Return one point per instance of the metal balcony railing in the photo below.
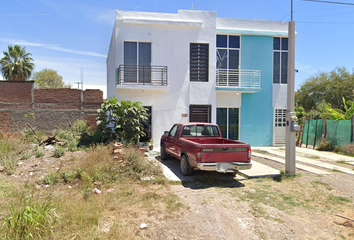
(142, 75)
(238, 78)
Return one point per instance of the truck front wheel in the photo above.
(186, 169)
(163, 153)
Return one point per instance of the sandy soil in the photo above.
(217, 206)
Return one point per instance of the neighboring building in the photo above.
(194, 66)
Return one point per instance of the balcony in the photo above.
(241, 80)
(141, 76)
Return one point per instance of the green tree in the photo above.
(329, 87)
(339, 114)
(124, 118)
(16, 65)
(48, 78)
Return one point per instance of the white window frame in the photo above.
(227, 54)
(137, 50)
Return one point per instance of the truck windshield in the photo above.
(200, 130)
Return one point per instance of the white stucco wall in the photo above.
(251, 26)
(170, 36)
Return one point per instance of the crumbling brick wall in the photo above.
(45, 109)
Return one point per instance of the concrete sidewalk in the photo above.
(308, 156)
(171, 169)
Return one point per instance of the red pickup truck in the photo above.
(199, 146)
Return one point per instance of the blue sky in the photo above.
(70, 35)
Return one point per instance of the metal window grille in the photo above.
(199, 62)
(280, 118)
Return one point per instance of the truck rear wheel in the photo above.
(186, 169)
(163, 153)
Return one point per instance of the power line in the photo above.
(348, 23)
(321, 1)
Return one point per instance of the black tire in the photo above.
(186, 169)
(163, 153)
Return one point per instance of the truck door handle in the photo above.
(225, 148)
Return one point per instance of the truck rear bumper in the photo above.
(224, 166)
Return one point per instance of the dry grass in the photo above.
(124, 203)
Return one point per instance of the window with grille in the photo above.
(199, 62)
(280, 118)
(200, 113)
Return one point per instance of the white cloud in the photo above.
(50, 46)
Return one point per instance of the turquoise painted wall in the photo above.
(256, 108)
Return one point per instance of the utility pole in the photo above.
(290, 114)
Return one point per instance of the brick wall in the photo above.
(50, 108)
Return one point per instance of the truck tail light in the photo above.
(199, 154)
(249, 155)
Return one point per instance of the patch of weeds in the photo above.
(25, 155)
(68, 177)
(73, 145)
(33, 219)
(9, 162)
(260, 151)
(348, 149)
(51, 179)
(336, 170)
(326, 185)
(312, 157)
(72, 158)
(267, 186)
(325, 145)
(38, 151)
(172, 203)
(331, 199)
(337, 149)
(342, 162)
(59, 151)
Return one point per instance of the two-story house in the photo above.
(194, 66)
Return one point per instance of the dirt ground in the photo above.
(217, 206)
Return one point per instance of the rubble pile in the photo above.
(118, 153)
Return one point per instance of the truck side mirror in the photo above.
(165, 133)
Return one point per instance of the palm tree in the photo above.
(16, 65)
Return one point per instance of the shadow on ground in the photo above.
(200, 179)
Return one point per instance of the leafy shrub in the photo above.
(96, 137)
(80, 126)
(31, 220)
(124, 118)
(325, 145)
(337, 149)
